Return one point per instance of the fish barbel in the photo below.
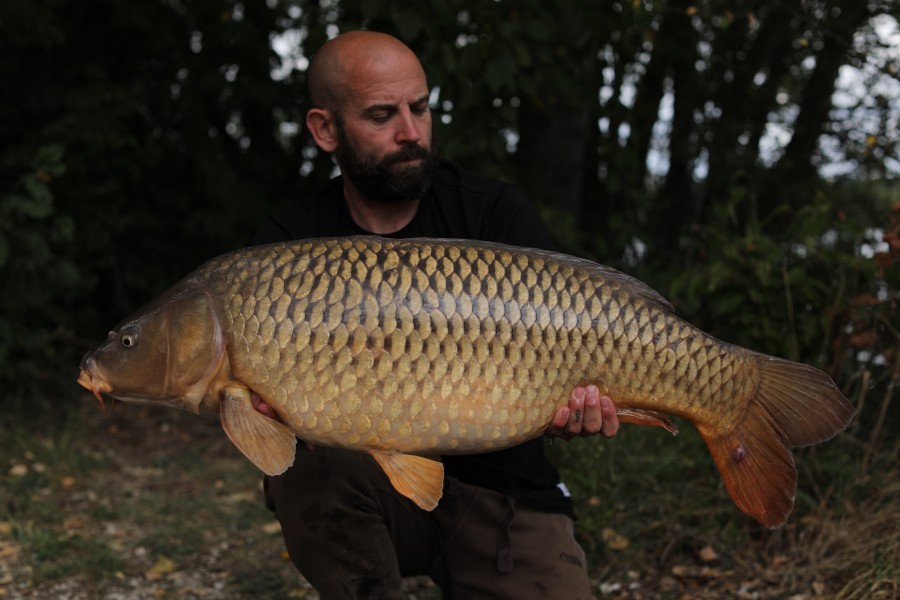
(413, 348)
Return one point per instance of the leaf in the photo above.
(38, 205)
(709, 554)
(163, 567)
(614, 540)
(272, 527)
(18, 470)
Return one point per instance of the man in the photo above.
(503, 528)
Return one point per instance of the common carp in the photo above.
(408, 349)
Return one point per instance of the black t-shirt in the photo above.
(465, 206)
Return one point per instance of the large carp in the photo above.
(412, 348)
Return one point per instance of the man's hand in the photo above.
(588, 413)
(264, 408)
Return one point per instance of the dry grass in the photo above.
(151, 503)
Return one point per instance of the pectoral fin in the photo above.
(650, 418)
(419, 479)
(268, 444)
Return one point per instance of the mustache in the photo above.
(409, 152)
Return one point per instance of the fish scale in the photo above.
(415, 347)
(439, 307)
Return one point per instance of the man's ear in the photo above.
(322, 126)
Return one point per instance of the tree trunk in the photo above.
(795, 172)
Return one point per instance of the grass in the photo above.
(654, 515)
(150, 503)
(144, 503)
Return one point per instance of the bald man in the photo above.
(504, 527)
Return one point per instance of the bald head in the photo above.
(350, 60)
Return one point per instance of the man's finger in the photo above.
(576, 412)
(559, 421)
(610, 419)
(593, 414)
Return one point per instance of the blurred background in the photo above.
(743, 158)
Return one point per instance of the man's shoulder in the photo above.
(488, 209)
(450, 176)
(299, 219)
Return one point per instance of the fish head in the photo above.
(167, 353)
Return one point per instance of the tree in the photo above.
(141, 139)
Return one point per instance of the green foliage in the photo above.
(41, 277)
(140, 141)
(126, 163)
(816, 291)
(56, 555)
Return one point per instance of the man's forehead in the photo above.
(386, 91)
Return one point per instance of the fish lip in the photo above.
(98, 386)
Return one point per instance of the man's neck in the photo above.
(378, 217)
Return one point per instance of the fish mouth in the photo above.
(97, 386)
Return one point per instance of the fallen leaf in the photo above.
(272, 527)
(18, 470)
(73, 523)
(709, 554)
(67, 482)
(698, 572)
(614, 540)
(5, 528)
(9, 549)
(607, 588)
(668, 584)
(163, 566)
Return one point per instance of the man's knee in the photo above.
(326, 475)
(322, 498)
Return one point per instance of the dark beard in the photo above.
(382, 180)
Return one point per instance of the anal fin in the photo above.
(418, 478)
(650, 418)
(269, 444)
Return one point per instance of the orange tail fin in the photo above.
(794, 405)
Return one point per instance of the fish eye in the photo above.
(128, 339)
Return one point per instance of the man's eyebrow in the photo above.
(423, 100)
(377, 108)
(392, 108)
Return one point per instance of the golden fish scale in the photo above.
(455, 348)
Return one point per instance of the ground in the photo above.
(151, 503)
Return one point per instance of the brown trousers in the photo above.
(352, 536)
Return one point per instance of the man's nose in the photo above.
(407, 129)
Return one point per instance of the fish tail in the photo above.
(794, 405)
